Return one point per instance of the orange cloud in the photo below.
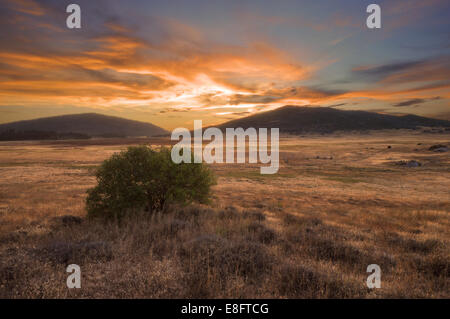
(129, 70)
(27, 6)
(179, 69)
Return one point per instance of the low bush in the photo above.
(144, 179)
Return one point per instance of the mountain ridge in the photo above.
(93, 124)
(290, 119)
(304, 119)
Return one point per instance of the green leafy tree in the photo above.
(145, 179)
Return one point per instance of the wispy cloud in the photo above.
(415, 101)
(166, 65)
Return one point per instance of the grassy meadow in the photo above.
(337, 204)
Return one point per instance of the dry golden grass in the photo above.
(337, 205)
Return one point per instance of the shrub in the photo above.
(145, 179)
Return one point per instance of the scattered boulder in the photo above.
(411, 163)
(439, 148)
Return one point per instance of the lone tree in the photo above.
(144, 179)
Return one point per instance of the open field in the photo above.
(338, 204)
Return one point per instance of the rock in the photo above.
(438, 148)
(389, 146)
(441, 150)
(411, 163)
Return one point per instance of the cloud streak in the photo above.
(415, 101)
(165, 65)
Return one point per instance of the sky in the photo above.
(172, 62)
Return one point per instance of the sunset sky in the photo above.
(170, 62)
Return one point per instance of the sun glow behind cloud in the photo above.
(170, 72)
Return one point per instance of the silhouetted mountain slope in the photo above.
(92, 124)
(296, 119)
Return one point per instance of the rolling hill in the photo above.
(297, 120)
(91, 124)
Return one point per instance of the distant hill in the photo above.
(297, 120)
(91, 124)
